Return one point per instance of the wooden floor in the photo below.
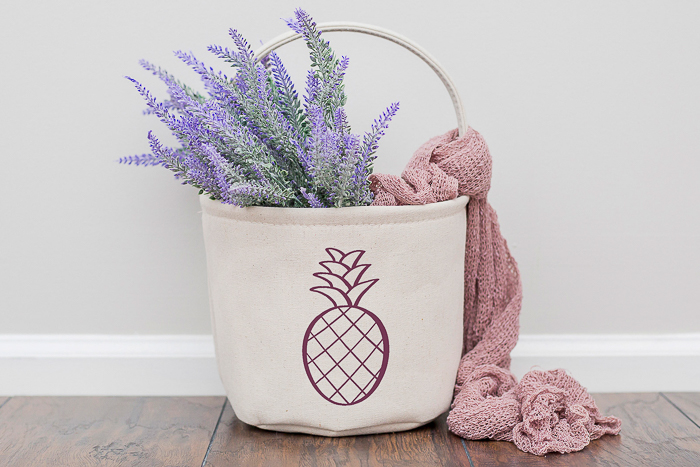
(658, 430)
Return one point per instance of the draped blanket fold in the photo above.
(547, 411)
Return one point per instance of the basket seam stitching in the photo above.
(333, 225)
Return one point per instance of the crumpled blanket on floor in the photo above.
(547, 411)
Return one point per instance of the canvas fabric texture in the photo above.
(547, 411)
(261, 271)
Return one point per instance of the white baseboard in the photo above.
(185, 364)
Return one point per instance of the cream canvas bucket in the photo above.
(338, 321)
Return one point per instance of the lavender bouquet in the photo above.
(250, 142)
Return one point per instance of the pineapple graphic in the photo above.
(345, 348)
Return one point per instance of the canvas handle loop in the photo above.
(396, 38)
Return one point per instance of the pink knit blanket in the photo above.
(547, 411)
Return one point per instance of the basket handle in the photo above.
(392, 36)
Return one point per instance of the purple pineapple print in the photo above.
(346, 348)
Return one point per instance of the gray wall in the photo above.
(591, 110)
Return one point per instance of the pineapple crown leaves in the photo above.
(344, 278)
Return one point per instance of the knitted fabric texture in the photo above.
(547, 411)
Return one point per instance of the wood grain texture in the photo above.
(686, 402)
(658, 430)
(107, 431)
(236, 443)
(654, 433)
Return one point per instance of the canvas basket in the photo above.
(338, 321)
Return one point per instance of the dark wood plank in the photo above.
(107, 431)
(686, 402)
(654, 433)
(236, 443)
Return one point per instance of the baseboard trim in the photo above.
(185, 364)
(607, 345)
(106, 346)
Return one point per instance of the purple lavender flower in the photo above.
(219, 166)
(314, 202)
(372, 137)
(287, 95)
(141, 159)
(251, 142)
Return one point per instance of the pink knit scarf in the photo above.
(548, 411)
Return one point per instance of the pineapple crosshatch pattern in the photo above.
(346, 347)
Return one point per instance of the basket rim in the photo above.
(353, 215)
